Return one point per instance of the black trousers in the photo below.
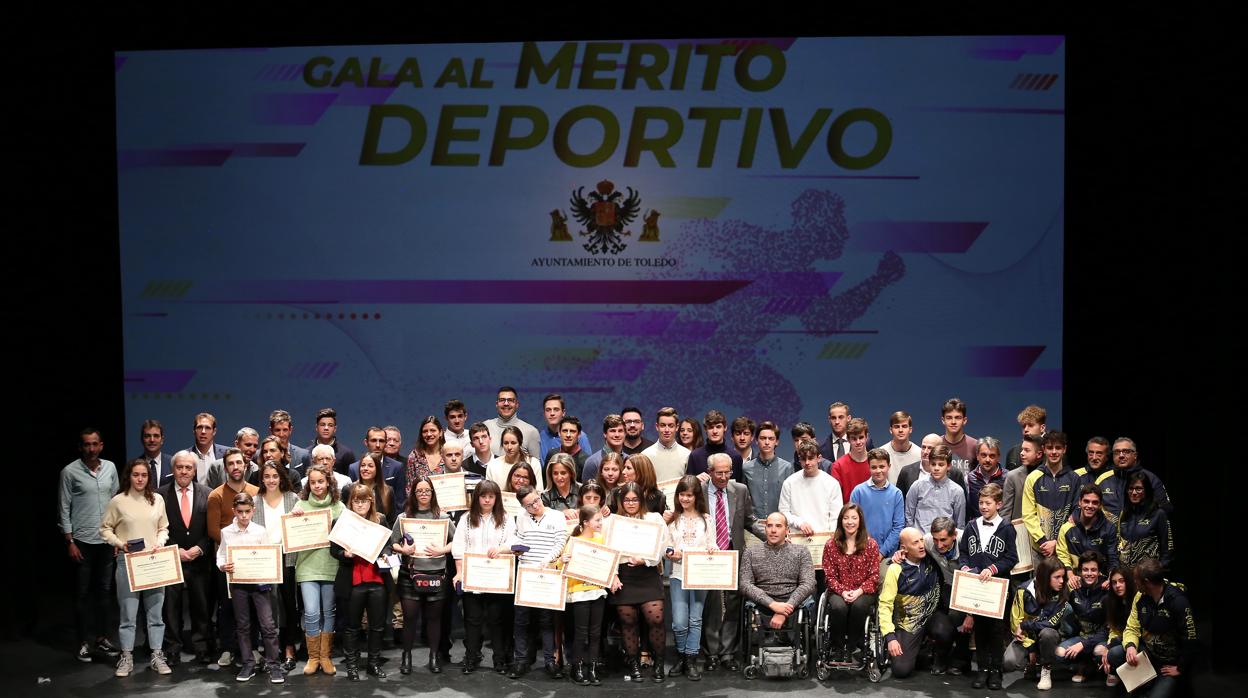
(587, 634)
(95, 611)
(195, 595)
(247, 597)
(721, 624)
(480, 609)
(373, 598)
(941, 630)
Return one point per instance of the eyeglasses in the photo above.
(424, 493)
(506, 401)
(533, 504)
(631, 500)
(1120, 451)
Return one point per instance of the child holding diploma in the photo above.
(422, 580)
(638, 588)
(988, 548)
(135, 520)
(691, 530)
(586, 603)
(366, 586)
(275, 500)
(315, 571)
(246, 597)
(486, 530)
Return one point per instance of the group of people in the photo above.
(902, 518)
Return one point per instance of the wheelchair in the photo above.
(874, 657)
(782, 653)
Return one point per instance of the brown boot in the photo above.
(327, 648)
(314, 654)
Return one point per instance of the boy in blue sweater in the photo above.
(882, 503)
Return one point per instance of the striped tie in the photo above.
(722, 539)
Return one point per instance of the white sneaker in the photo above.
(1111, 680)
(159, 664)
(1046, 681)
(84, 652)
(225, 659)
(125, 664)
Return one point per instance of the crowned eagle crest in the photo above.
(604, 215)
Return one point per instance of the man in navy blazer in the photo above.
(152, 433)
(188, 529)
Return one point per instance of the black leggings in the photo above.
(653, 611)
(373, 598)
(587, 636)
(422, 609)
(849, 619)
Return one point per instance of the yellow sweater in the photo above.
(576, 585)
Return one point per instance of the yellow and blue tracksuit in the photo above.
(1048, 500)
(1029, 616)
(1101, 536)
(909, 596)
(1144, 534)
(1164, 628)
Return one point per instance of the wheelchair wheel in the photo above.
(823, 673)
(751, 672)
(803, 672)
(873, 671)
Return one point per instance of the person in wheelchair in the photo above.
(778, 576)
(907, 608)
(851, 566)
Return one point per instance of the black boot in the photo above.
(981, 679)
(591, 673)
(994, 678)
(634, 669)
(435, 662)
(657, 670)
(351, 649)
(691, 668)
(578, 673)
(471, 662)
(679, 667)
(374, 667)
(405, 663)
(374, 653)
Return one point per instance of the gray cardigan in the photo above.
(288, 502)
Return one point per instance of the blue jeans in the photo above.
(153, 601)
(318, 603)
(687, 618)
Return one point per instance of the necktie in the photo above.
(186, 508)
(722, 539)
(840, 448)
(151, 470)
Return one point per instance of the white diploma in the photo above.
(1023, 538)
(307, 531)
(1135, 676)
(814, 545)
(426, 532)
(635, 537)
(590, 562)
(709, 570)
(668, 488)
(255, 564)
(152, 569)
(360, 537)
(451, 490)
(511, 505)
(489, 575)
(970, 595)
(541, 588)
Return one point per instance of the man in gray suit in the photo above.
(186, 506)
(732, 514)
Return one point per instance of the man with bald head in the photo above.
(921, 470)
(186, 507)
(1114, 483)
(777, 576)
(909, 599)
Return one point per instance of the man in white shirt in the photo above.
(810, 499)
(456, 420)
(668, 457)
(901, 450)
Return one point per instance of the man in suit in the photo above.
(203, 448)
(186, 506)
(327, 435)
(732, 514)
(282, 426)
(152, 433)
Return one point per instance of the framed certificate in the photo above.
(710, 570)
(488, 575)
(255, 564)
(814, 545)
(307, 531)
(541, 588)
(591, 562)
(152, 569)
(970, 595)
(511, 505)
(451, 490)
(426, 532)
(1025, 563)
(635, 537)
(668, 488)
(363, 538)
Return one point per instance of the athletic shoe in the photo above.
(1046, 681)
(1111, 680)
(84, 652)
(276, 675)
(159, 664)
(125, 664)
(225, 659)
(245, 674)
(107, 647)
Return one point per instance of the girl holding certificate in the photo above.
(586, 603)
(383, 494)
(851, 568)
(500, 468)
(690, 530)
(315, 571)
(1117, 610)
(638, 588)
(1039, 610)
(366, 586)
(275, 500)
(484, 531)
(135, 520)
(422, 580)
